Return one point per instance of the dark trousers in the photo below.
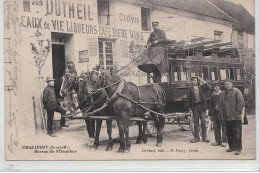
(199, 114)
(50, 115)
(234, 134)
(219, 125)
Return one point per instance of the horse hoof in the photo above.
(109, 148)
(127, 150)
(159, 144)
(121, 151)
(139, 141)
(94, 147)
(145, 140)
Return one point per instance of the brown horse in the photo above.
(127, 99)
(96, 101)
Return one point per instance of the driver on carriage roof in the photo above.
(157, 37)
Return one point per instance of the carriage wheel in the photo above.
(151, 128)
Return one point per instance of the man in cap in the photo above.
(51, 104)
(156, 37)
(71, 68)
(231, 103)
(218, 122)
(198, 105)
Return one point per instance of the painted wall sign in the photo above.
(69, 9)
(83, 56)
(80, 28)
(128, 18)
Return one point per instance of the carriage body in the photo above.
(209, 59)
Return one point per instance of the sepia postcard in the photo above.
(113, 80)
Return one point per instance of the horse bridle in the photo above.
(104, 86)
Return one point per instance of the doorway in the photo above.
(58, 65)
(62, 51)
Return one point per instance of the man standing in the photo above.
(231, 108)
(51, 104)
(218, 122)
(198, 105)
(156, 37)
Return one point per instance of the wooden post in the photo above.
(40, 82)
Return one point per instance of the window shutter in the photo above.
(93, 46)
(123, 49)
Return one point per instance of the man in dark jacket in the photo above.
(231, 104)
(198, 105)
(51, 104)
(157, 37)
(218, 122)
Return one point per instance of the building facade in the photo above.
(41, 36)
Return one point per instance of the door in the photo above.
(58, 65)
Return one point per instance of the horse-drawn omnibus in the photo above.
(172, 65)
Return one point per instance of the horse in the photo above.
(68, 90)
(95, 101)
(127, 99)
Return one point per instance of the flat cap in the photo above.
(194, 76)
(215, 84)
(155, 23)
(229, 80)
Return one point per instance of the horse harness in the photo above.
(119, 90)
(118, 93)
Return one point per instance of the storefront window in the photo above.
(205, 73)
(103, 12)
(214, 73)
(180, 73)
(238, 72)
(223, 74)
(105, 54)
(231, 74)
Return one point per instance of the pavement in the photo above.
(176, 144)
